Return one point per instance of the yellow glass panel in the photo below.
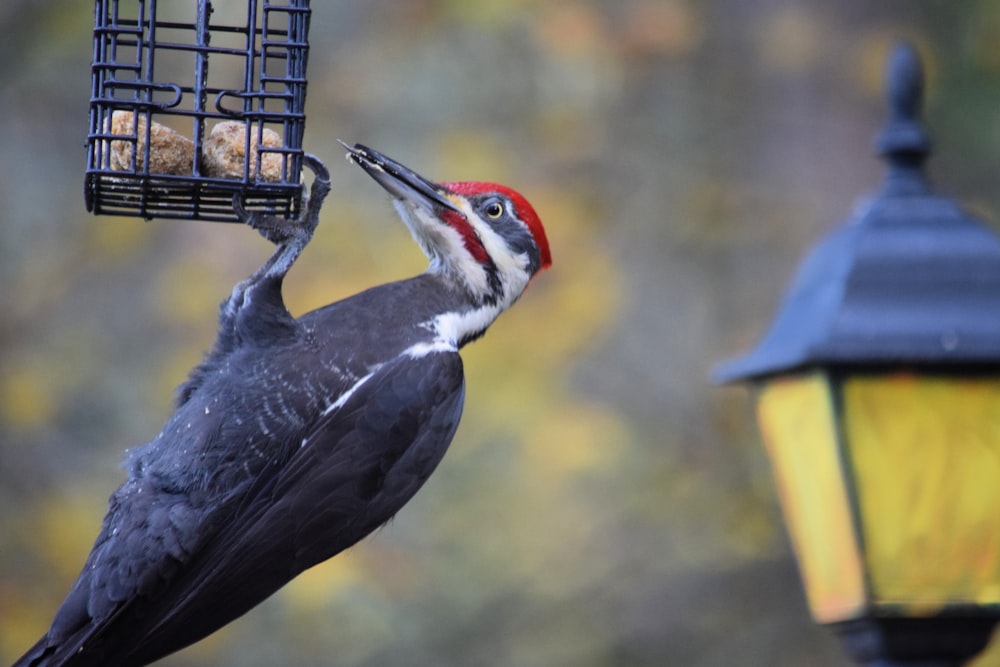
(797, 422)
(926, 458)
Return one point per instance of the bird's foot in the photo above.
(280, 230)
(291, 237)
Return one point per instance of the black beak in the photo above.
(401, 182)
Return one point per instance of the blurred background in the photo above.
(602, 504)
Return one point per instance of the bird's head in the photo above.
(485, 236)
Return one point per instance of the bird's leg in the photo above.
(243, 315)
(291, 236)
(279, 230)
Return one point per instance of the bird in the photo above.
(296, 437)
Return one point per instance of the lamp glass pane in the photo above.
(925, 453)
(799, 429)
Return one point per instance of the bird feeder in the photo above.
(878, 398)
(192, 105)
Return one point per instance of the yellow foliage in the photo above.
(535, 525)
(313, 589)
(64, 528)
(189, 292)
(487, 13)
(26, 398)
(573, 312)
(113, 239)
(562, 126)
(573, 439)
(173, 370)
(20, 628)
(473, 154)
(335, 270)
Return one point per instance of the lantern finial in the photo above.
(904, 142)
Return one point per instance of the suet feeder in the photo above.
(193, 104)
(878, 398)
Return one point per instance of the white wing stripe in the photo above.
(347, 394)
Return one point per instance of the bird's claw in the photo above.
(320, 172)
(279, 230)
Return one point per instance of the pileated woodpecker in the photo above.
(295, 438)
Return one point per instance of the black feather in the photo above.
(253, 479)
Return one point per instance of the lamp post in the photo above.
(878, 399)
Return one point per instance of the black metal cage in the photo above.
(188, 109)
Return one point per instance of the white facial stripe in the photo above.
(513, 268)
(446, 250)
(444, 246)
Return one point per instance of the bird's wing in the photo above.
(357, 466)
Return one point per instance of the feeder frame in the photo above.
(170, 70)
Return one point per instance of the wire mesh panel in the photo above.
(188, 108)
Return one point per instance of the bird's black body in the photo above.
(292, 440)
(303, 485)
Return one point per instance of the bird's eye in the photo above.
(494, 210)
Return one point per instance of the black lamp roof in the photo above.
(909, 279)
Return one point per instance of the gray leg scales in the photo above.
(291, 236)
(279, 230)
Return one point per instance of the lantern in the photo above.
(878, 399)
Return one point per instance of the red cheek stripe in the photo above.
(523, 210)
(470, 239)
